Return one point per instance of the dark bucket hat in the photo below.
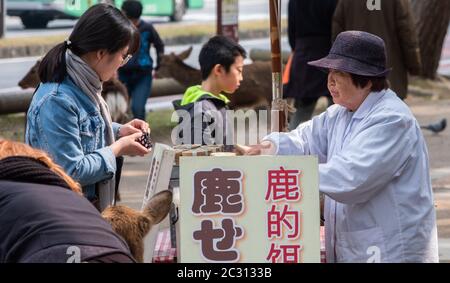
(356, 52)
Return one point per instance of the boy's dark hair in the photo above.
(378, 83)
(102, 26)
(132, 9)
(219, 50)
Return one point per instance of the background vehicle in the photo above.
(37, 13)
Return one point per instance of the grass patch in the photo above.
(165, 30)
(30, 41)
(436, 89)
(169, 31)
(12, 127)
(161, 125)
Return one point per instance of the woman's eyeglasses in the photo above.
(125, 59)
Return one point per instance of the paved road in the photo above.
(249, 10)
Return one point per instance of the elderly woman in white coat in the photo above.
(374, 167)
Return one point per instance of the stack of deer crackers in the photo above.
(196, 150)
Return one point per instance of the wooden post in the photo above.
(219, 17)
(279, 106)
(2, 18)
(228, 18)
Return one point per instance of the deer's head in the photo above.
(31, 79)
(170, 64)
(133, 225)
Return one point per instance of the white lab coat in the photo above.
(374, 172)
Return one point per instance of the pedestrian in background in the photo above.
(309, 31)
(137, 74)
(395, 25)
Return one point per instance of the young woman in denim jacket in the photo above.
(69, 119)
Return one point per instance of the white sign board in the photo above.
(249, 209)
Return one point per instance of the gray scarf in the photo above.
(89, 82)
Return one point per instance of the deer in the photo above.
(133, 225)
(114, 92)
(255, 90)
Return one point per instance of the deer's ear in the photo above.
(158, 206)
(185, 54)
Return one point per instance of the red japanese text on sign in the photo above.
(287, 253)
(282, 221)
(288, 219)
(283, 185)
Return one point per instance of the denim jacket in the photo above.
(66, 123)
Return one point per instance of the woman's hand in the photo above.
(264, 148)
(133, 127)
(129, 146)
(139, 124)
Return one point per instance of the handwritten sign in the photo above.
(249, 209)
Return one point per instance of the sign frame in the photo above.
(256, 240)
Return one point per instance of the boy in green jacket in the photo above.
(204, 119)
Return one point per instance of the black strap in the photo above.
(119, 165)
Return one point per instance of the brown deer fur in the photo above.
(133, 225)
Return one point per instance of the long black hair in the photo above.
(102, 26)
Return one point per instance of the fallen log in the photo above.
(257, 54)
(16, 100)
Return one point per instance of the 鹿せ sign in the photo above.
(249, 209)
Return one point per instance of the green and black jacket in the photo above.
(204, 110)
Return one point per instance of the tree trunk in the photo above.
(432, 20)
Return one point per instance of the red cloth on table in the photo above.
(163, 248)
(323, 255)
